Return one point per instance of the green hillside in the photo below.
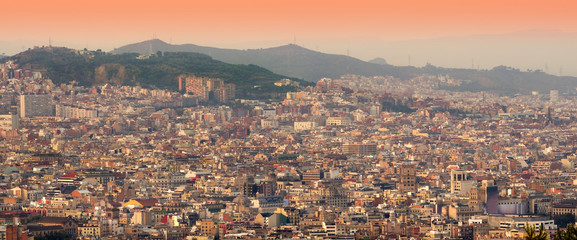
(161, 70)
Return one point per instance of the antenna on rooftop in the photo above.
(49, 41)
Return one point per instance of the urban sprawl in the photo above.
(350, 158)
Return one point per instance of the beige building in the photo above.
(338, 121)
(564, 207)
(301, 126)
(408, 178)
(9, 121)
(208, 227)
(462, 213)
(461, 182)
(89, 230)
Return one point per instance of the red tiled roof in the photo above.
(71, 175)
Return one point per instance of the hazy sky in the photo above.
(332, 26)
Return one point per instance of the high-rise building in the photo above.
(492, 199)
(554, 95)
(408, 178)
(203, 86)
(267, 188)
(214, 83)
(225, 93)
(197, 86)
(36, 105)
(249, 189)
(461, 182)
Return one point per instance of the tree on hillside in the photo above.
(531, 233)
(569, 234)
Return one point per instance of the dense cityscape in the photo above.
(357, 157)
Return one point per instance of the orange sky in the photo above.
(230, 22)
(363, 28)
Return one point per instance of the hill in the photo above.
(505, 80)
(292, 60)
(156, 71)
(380, 61)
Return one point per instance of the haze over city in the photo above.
(469, 34)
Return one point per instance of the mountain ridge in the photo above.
(294, 60)
(290, 60)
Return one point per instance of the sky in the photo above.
(362, 28)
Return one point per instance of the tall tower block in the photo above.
(408, 178)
